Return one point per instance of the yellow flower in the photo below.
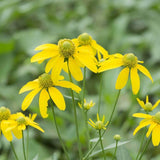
(130, 63)
(85, 39)
(66, 50)
(47, 88)
(5, 115)
(148, 106)
(154, 122)
(99, 124)
(18, 122)
(87, 106)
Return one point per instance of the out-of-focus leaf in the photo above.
(122, 154)
(36, 157)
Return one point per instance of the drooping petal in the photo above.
(28, 99)
(43, 103)
(17, 133)
(46, 46)
(156, 135)
(21, 127)
(67, 84)
(151, 127)
(29, 86)
(141, 103)
(57, 98)
(141, 115)
(145, 71)
(135, 81)
(35, 125)
(156, 104)
(75, 70)
(65, 67)
(122, 78)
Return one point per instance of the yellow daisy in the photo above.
(130, 63)
(154, 122)
(99, 124)
(46, 86)
(66, 50)
(18, 122)
(148, 106)
(87, 105)
(85, 39)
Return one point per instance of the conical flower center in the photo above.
(129, 60)
(4, 113)
(148, 106)
(84, 39)
(45, 80)
(21, 120)
(99, 125)
(66, 48)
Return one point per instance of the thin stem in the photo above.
(110, 119)
(59, 135)
(13, 150)
(75, 117)
(145, 149)
(114, 155)
(100, 93)
(100, 138)
(24, 153)
(27, 140)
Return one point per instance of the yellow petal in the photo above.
(141, 115)
(28, 99)
(29, 86)
(91, 124)
(35, 125)
(57, 98)
(46, 46)
(144, 71)
(17, 133)
(43, 103)
(147, 99)
(65, 67)
(75, 70)
(67, 84)
(141, 103)
(97, 117)
(151, 127)
(56, 70)
(122, 78)
(156, 135)
(135, 81)
(156, 104)
(21, 127)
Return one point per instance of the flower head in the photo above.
(117, 137)
(131, 65)
(154, 122)
(66, 50)
(99, 124)
(148, 105)
(87, 106)
(47, 88)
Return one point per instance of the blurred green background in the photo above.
(120, 26)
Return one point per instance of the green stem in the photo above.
(27, 140)
(24, 153)
(75, 116)
(110, 119)
(145, 149)
(59, 135)
(114, 155)
(13, 150)
(100, 93)
(100, 138)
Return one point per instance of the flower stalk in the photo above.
(14, 150)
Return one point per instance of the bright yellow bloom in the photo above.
(148, 106)
(17, 123)
(85, 39)
(87, 106)
(5, 115)
(99, 124)
(66, 50)
(154, 122)
(47, 88)
(130, 63)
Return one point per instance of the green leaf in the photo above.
(36, 157)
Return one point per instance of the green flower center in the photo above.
(66, 48)
(129, 60)
(148, 106)
(157, 117)
(4, 113)
(99, 125)
(117, 137)
(45, 80)
(21, 120)
(84, 39)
